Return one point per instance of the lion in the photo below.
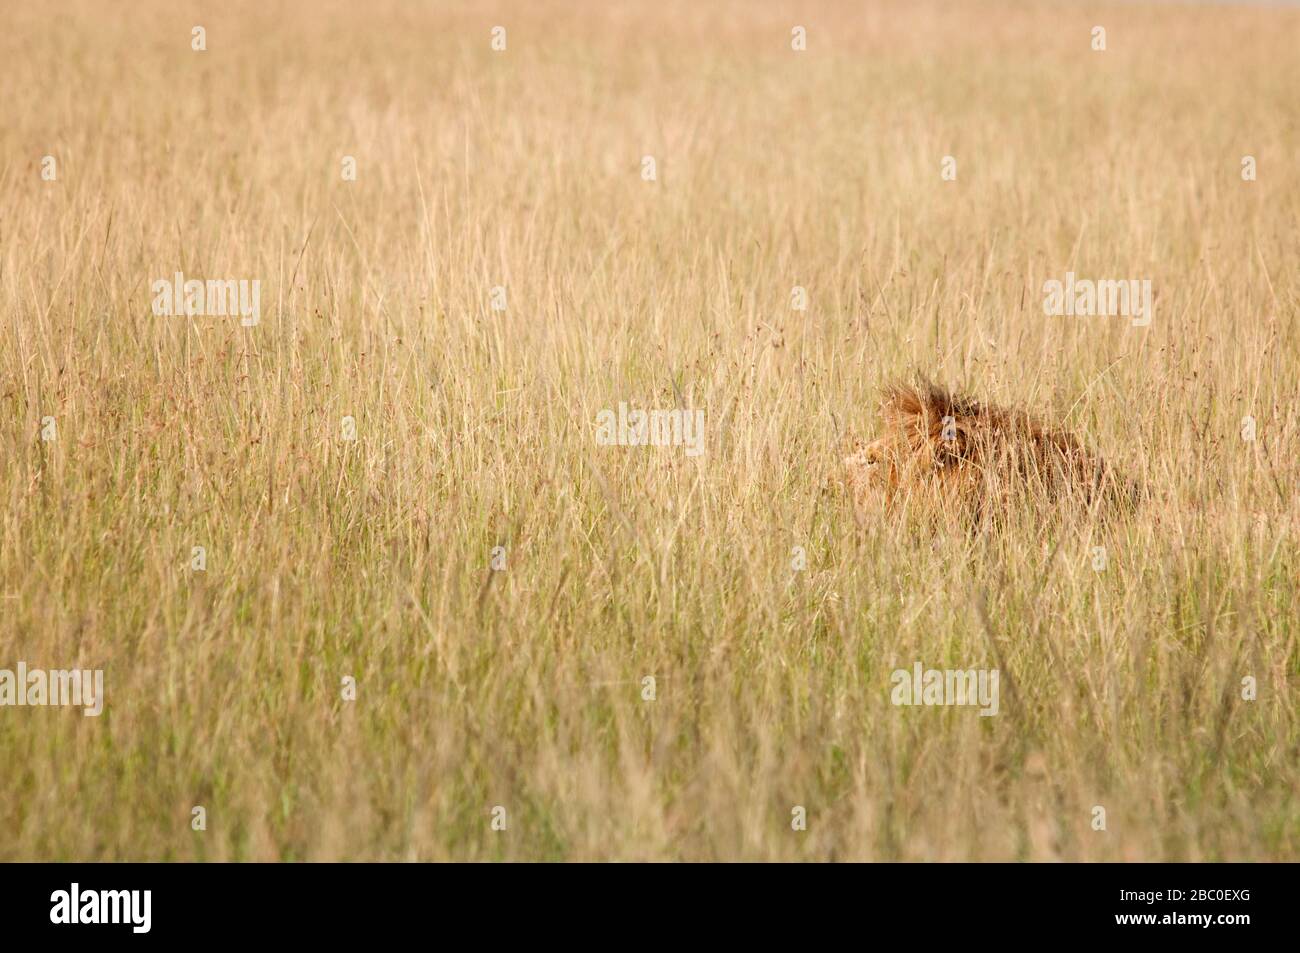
(951, 456)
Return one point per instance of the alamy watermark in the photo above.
(214, 297)
(922, 686)
(130, 907)
(83, 688)
(651, 428)
(1106, 298)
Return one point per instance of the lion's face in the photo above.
(876, 469)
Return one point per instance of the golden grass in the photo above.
(523, 688)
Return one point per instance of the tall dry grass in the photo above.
(523, 688)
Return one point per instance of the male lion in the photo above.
(949, 456)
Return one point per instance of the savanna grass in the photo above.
(524, 688)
